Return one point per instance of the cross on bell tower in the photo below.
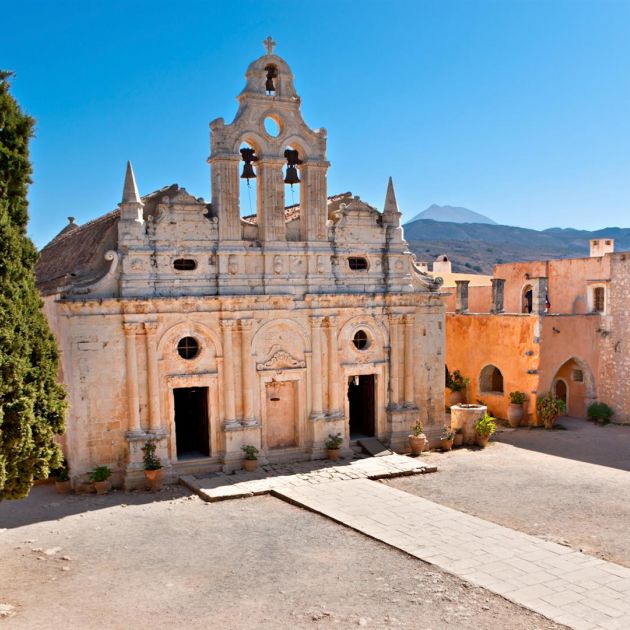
(269, 44)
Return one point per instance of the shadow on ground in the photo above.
(582, 441)
(44, 503)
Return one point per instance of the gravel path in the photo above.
(559, 497)
(172, 561)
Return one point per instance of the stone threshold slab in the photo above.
(221, 486)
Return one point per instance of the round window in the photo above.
(272, 127)
(188, 348)
(360, 340)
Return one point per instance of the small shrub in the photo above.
(251, 452)
(517, 398)
(334, 441)
(486, 426)
(151, 462)
(447, 434)
(601, 412)
(100, 473)
(417, 429)
(549, 408)
(456, 381)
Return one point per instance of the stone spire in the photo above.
(130, 190)
(391, 214)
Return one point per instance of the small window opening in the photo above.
(577, 376)
(598, 299)
(358, 263)
(185, 264)
(272, 127)
(491, 380)
(188, 348)
(360, 340)
(270, 83)
(527, 299)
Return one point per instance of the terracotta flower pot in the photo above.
(250, 464)
(447, 445)
(515, 414)
(332, 454)
(457, 398)
(155, 478)
(417, 443)
(458, 440)
(63, 487)
(482, 440)
(101, 487)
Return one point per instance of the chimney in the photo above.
(498, 291)
(461, 296)
(602, 246)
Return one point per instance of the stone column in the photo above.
(409, 371)
(313, 201)
(152, 376)
(225, 196)
(316, 367)
(498, 291)
(247, 371)
(333, 367)
(227, 325)
(539, 296)
(270, 200)
(133, 399)
(394, 361)
(461, 296)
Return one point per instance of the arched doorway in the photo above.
(574, 384)
(527, 296)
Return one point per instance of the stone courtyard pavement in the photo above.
(567, 586)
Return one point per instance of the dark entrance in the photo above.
(361, 398)
(191, 422)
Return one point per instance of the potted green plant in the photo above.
(458, 440)
(516, 410)
(600, 412)
(446, 439)
(251, 457)
(484, 429)
(99, 476)
(332, 446)
(63, 485)
(153, 472)
(417, 439)
(549, 408)
(457, 383)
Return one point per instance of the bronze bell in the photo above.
(248, 157)
(291, 176)
(248, 171)
(272, 73)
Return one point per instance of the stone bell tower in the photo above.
(269, 93)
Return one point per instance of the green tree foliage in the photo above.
(32, 403)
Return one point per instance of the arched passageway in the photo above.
(574, 384)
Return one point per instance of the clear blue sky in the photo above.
(518, 110)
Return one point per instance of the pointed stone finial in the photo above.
(269, 44)
(391, 214)
(391, 205)
(130, 190)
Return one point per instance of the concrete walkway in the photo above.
(569, 587)
(220, 486)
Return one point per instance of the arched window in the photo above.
(491, 380)
(271, 79)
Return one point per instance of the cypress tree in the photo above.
(32, 403)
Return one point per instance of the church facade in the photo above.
(185, 323)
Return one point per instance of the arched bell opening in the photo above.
(248, 179)
(292, 180)
(272, 80)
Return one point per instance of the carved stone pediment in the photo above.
(281, 360)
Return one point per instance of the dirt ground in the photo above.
(570, 487)
(172, 561)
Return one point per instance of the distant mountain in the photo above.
(452, 214)
(478, 247)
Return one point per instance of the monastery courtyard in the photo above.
(82, 561)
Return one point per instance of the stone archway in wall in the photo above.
(279, 348)
(573, 382)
